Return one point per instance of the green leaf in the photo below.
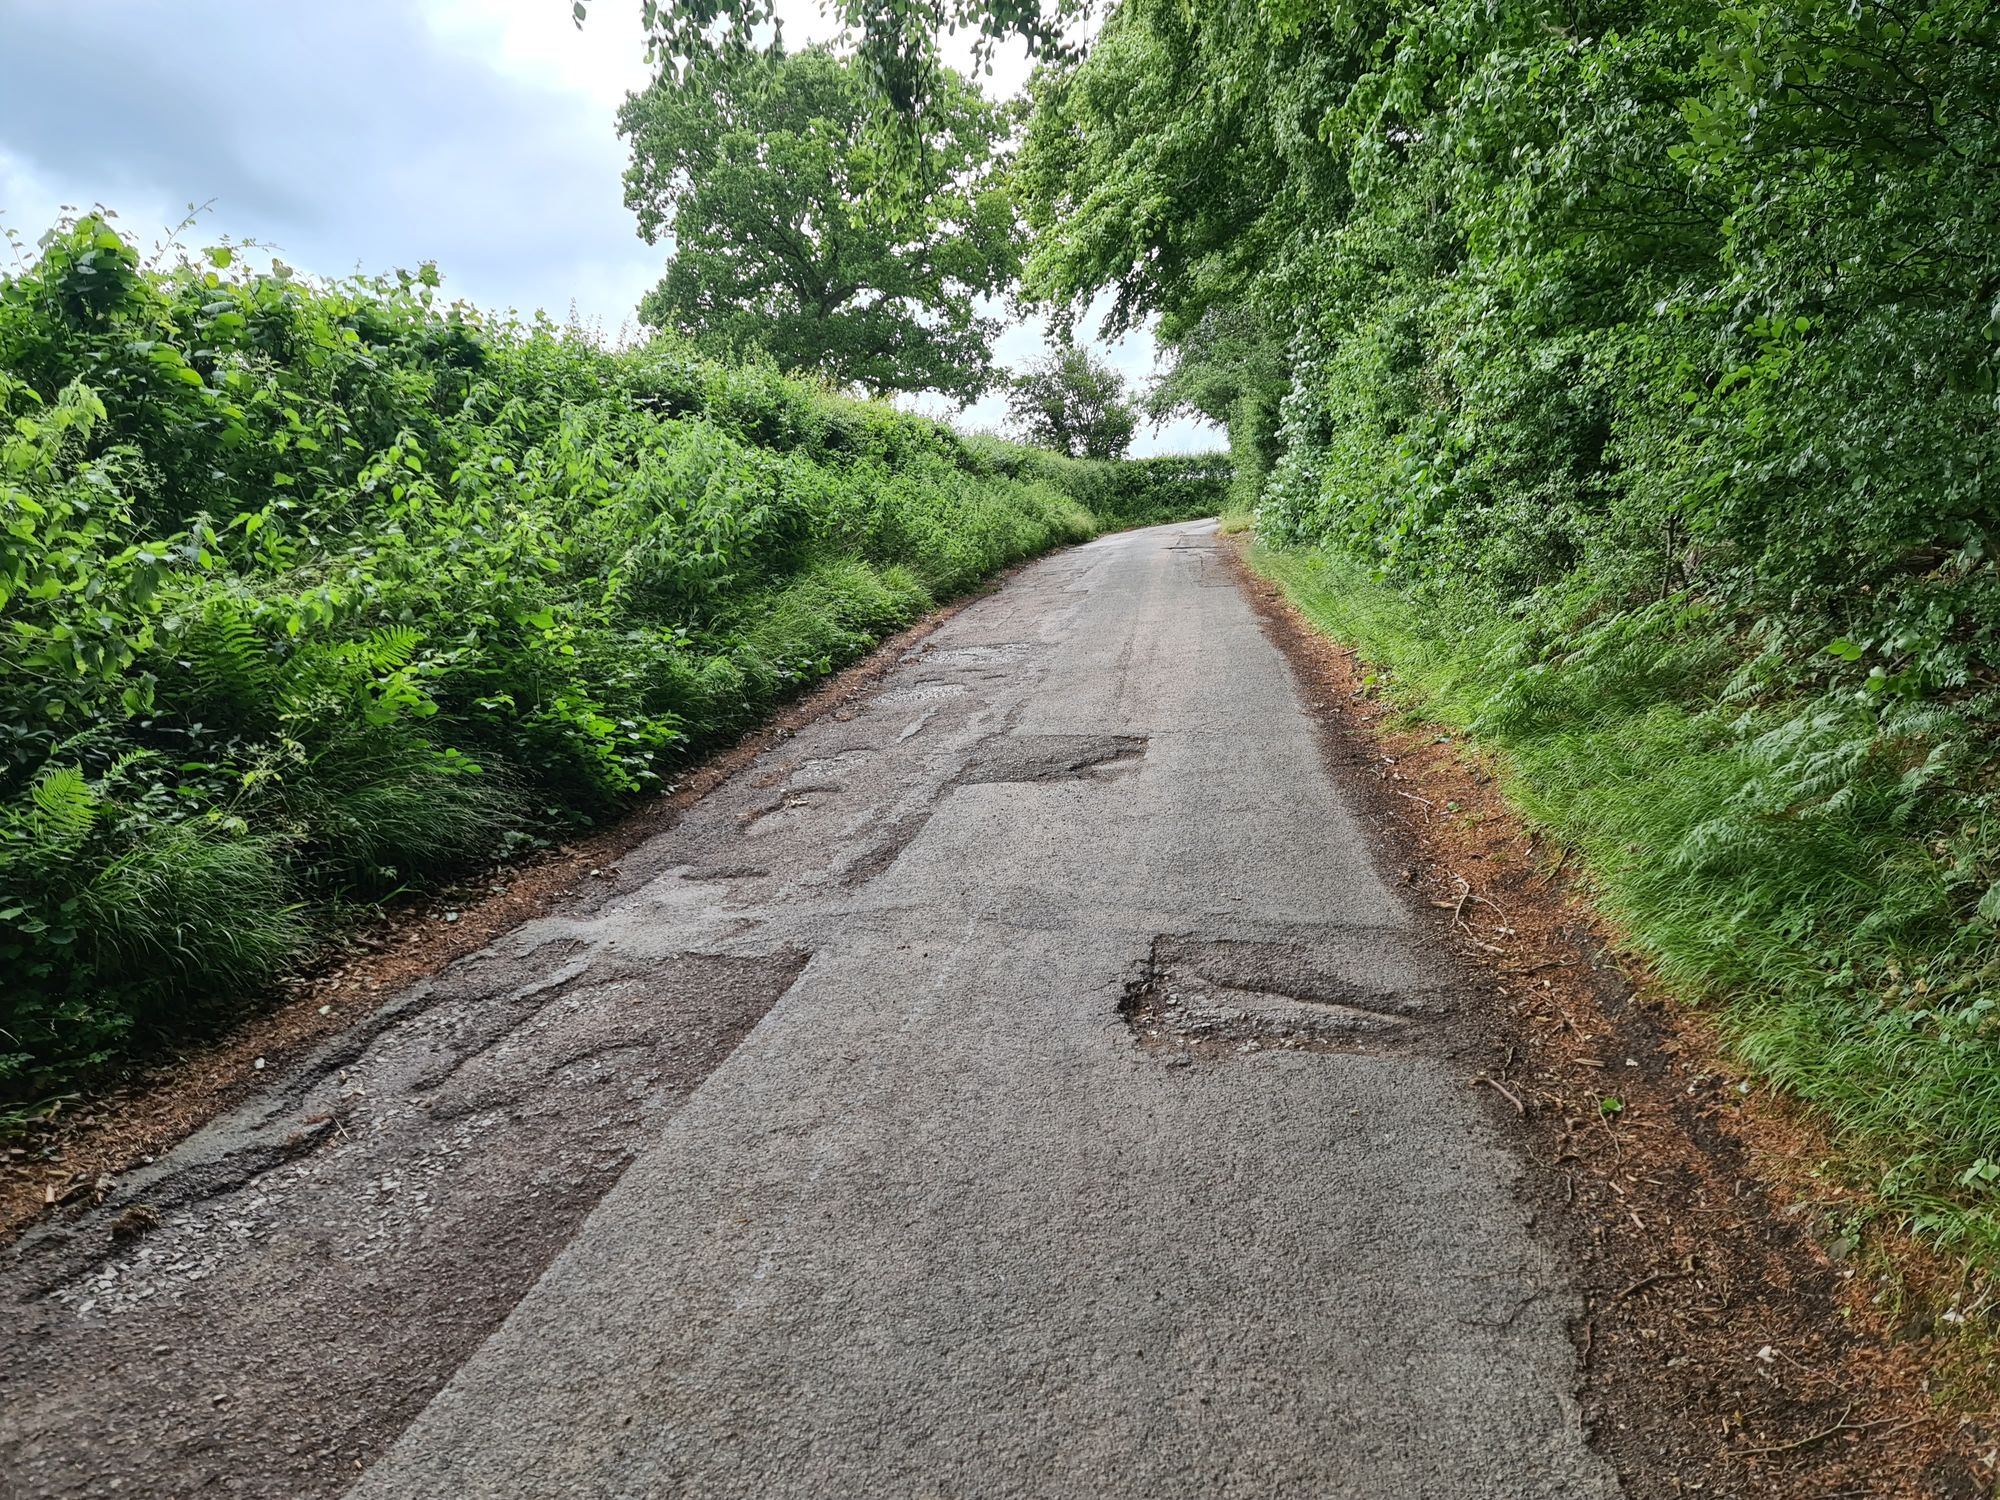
(1989, 904)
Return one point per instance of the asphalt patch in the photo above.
(267, 1317)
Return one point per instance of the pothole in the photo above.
(790, 800)
(1203, 998)
(924, 692)
(1053, 757)
(974, 656)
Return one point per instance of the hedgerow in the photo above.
(1646, 355)
(312, 592)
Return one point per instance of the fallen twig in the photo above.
(1617, 1151)
(1458, 915)
(1645, 1281)
(1843, 1425)
(1520, 1108)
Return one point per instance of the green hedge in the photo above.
(1625, 374)
(309, 593)
(1131, 492)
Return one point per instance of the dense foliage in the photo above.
(1074, 403)
(897, 46)
(1127, 492)
(310, 592)
(1650, 348)
(791, 236)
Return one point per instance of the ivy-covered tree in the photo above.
(1075, 403)
(796, 230)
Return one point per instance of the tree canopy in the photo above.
(795, 232)
(896, 45)
(1632, 286)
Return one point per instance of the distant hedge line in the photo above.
(309, 593)
(1143, 491)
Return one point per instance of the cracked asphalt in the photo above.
(1020, 1082)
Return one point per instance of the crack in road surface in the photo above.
(1018, 1083)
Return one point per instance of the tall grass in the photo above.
(1768, 852)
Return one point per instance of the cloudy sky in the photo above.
(368, 135)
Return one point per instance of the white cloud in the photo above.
(369, 135)
(537, 42)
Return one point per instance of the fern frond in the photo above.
(227, 657)
(67, 804)
(392, 649)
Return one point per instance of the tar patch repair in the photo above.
(1053, 757)
(1206, 998)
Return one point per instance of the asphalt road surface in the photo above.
(1019, 1083)
(1105, 1145)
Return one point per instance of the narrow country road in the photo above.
(938, 1226)
(1101, 1137)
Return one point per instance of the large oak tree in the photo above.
(799, 228)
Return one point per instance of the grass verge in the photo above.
(1765, 855)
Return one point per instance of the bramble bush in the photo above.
(311, 592)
